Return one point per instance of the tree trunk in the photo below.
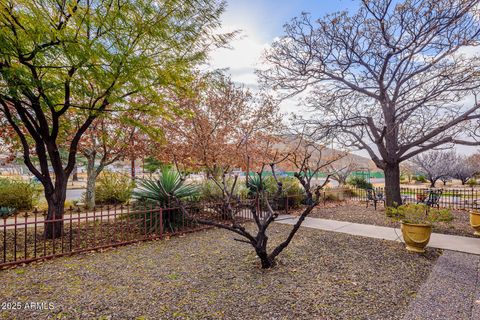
(133, 168)
(56, 209)
(432, 183)
(261, 249)
(265, 260)
(392, 185)
(91, 179)
(75, 174)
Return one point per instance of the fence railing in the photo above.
(23, 235)
(452, 198)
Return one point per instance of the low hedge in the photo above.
(19, 195)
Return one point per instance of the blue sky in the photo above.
(261, 22)
(270, 15)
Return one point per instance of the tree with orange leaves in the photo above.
(223, 127)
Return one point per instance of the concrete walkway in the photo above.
(437, 240)
(451, 292)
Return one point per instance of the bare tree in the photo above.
(464, 168)
(445, 179)
(407, 169)
(390, 79)
(435, 165)
(341, 171)
(261, 207)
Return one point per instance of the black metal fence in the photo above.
(452, 198)
(23, 238)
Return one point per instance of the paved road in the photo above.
(72, 194)
(23, 222)
(75, 194)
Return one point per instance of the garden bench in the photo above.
(473, 204)
(433, 198)
(374, 197)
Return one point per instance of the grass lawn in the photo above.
(358, 213)
(209, 275)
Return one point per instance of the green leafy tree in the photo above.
(65, 63)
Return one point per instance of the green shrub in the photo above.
(472, 182)
(330, 196)
(291, 186)
(420, 178)
(419, 214)
(210, 191)
(292, 190)
(113, 188)
(359, 182)
(19, 195)
(170, 185)
(255, 185)
(6, 212)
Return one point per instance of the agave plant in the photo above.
(256, 185)
(171, 185)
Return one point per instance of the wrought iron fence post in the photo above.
(161, 222)
(4, 239)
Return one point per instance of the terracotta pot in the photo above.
(416, 236)
(475, 222)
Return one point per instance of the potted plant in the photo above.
(475, 221)
(417, 221)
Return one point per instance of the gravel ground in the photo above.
(358, 213)
(450, 292)
(207, 275)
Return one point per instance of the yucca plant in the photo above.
(162, 192)
(255, 185)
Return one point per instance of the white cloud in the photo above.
(243, 56)
(469, 52)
